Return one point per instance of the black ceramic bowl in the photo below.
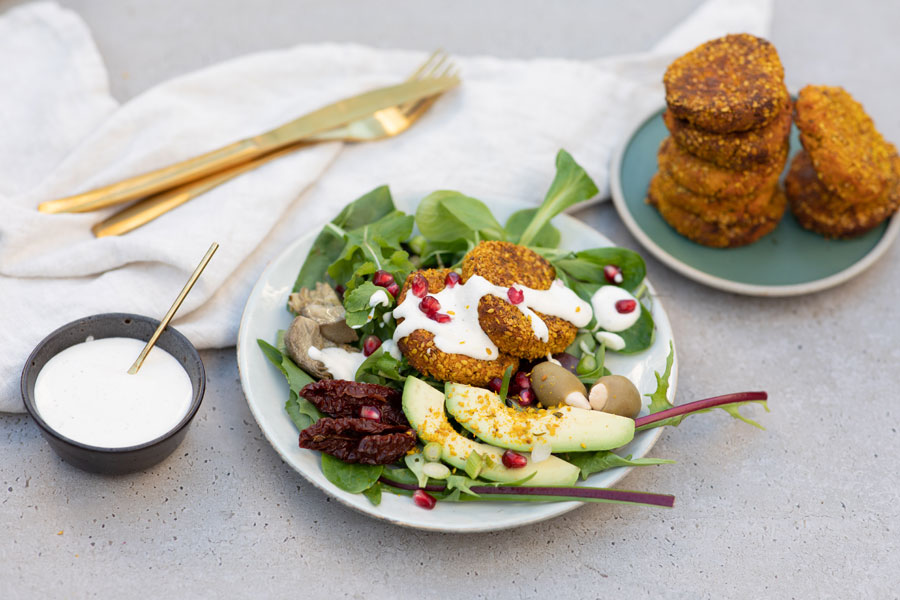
(114, 460)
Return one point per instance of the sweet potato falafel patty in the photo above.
(733, 83)
(424, 356)
(739, 150)
(819, 210)
(849, 155)
(709, 179)
(719, 228)
(506, 264)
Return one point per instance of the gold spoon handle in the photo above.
(175, 306)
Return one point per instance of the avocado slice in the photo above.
(565, 428)
(424, 407)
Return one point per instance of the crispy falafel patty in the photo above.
(715, 232)
(733, 83)
(850, 156)
(819, 210)
(506, 264)
(740, 150)
(706, 178)
(424, 356)
(724, 212)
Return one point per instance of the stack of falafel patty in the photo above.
(729, 116)
(847, 179)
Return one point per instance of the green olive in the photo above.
(555, 385)
(617, 395)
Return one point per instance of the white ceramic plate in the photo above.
(266, 391)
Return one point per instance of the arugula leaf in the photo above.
(571, 185)
(594, 462)
(356, 304)
(448, 216)
(547, 237)
(350, 477)
(373, 493)
(329, 245)
(659, 400)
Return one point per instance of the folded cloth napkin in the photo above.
(495, 137)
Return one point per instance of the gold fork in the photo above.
(382, 124)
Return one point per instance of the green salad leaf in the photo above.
(302, 412)
(377, 243)
(571, 185)
(594, 462)
(356, 303)
(548, 236)
(447, 216)
(639, 336)
(373, 493)
(329, 245)
(350, 477)
(382, 368)
(659, 399)
(587, 266)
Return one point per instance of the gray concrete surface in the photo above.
(806, 509)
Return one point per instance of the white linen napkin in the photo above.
(62, 133)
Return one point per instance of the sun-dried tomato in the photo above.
(357, 440)
(341, 398)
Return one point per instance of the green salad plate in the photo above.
(787, 262)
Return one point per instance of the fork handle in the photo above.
(160, 179)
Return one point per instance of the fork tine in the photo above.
(425, 65)
(437, 66)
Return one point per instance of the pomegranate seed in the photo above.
(429, 304)
(452, 279)
(522, 380)
(613, 274)
(526, 397)
(393, 289)
(419, 286)
(371, 344)
(370, 412)
(515, 295)
(339, 290)
(382, 278)
(495, 385)
(424, 500)
(626, 306)
(439, 317)
(514, 460)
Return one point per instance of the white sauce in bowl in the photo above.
(86, 394)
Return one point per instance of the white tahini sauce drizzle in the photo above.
(86, 394)
(613, 341)
(339, 362)
(462, 334)
(379, 298)
(604, 303)
(391, 347)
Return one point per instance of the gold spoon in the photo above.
(175, 306)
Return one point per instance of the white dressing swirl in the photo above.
(462, 334)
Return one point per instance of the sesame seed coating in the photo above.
(732, 83)
(740, 150)
(819, 210)
(504, 263)
(419, 348)
(708, 179)
(849, 155)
